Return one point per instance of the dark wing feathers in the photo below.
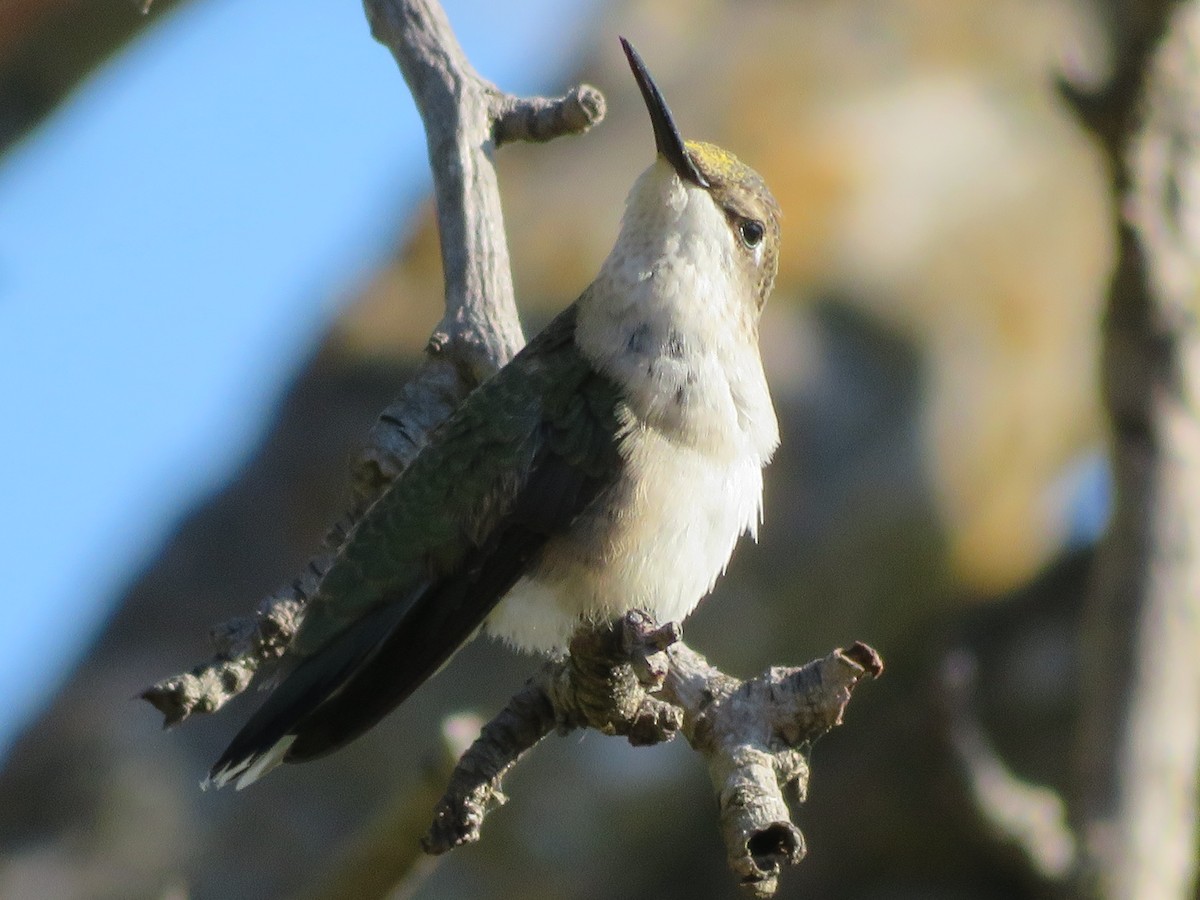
(523, 456)
(314, 680)
(450, 611)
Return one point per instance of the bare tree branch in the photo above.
(1139, 748)
(1134, 806)
(605, 682)
(754, 735)
(1141, 739)
(537, 120)
(1028, 817)
(479, 332)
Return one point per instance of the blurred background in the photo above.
(218, 264)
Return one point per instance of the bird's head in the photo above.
(699, 192)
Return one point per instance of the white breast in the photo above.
(658, 540)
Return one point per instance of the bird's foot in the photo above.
(611, 675)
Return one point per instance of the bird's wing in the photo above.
(515, 465)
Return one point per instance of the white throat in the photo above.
(671, 319)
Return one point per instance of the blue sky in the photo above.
(172, 243)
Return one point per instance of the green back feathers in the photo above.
(467, 479)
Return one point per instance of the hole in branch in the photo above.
(773, 846)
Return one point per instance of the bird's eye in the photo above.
(751, 231)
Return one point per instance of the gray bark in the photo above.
(637, 680)
(1141, 745)
(1132, 830)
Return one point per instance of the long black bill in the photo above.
(666, 135)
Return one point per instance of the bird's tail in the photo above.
(315, 687)
(247, 770)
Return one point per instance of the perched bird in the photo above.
(611, 465)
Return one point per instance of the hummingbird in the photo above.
(611, 465)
